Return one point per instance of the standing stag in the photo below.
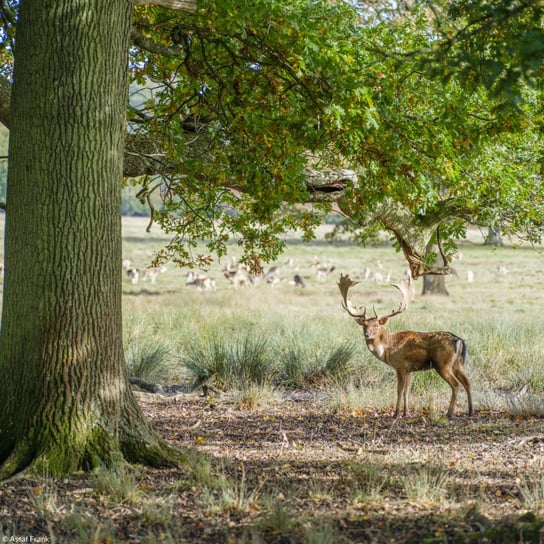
(409, 351)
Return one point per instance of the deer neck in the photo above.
(379, 345)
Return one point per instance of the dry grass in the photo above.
(297, 472)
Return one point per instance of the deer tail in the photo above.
(460, 350)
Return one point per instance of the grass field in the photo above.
(296, 442)
(498, 313)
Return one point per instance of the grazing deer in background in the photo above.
(201, 282)
(409, 351)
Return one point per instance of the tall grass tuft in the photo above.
(370, 479)
(532, 492)
(117, 484)
(293, 367)
(426, 485)
(301, 366)
(233, 363)
(279, 520)
(239, 362)
(148, 361)
(236, 496)
(250, 361)
(323, 533)
(338, 363)
(208, 358)
(45, 500)
(85, 529)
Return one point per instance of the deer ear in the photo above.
(382, 320)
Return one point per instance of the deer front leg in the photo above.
(404, 379)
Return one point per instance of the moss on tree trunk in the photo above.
(65, 400)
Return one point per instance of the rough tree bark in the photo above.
(65, 399)
(494, 237)
(435, 284)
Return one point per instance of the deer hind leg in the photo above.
(462, 377)
(448, 375)
(404, 379)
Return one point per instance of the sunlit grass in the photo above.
(370, 480)
(291, 337)
(278, 519)
(260, 342)
(426, 485)
(532, 492)
(118, 484)
(234, 495)
(151, 362)
(44, 498)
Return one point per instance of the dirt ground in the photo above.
(297, 471)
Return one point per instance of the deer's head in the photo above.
(373, 324)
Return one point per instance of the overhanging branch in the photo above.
(413, 232)
(178, 5)
(143, 158)
(153, 47)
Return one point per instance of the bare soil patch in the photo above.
(341, 475)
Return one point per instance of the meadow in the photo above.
(294, 440)
(498, 314)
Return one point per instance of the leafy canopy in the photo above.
(257, 92)
(236, 103)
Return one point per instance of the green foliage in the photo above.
(255, 88)
(264, 90)
(245, 95)
(498, 43)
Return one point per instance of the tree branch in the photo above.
(7, 12)
(153, 47)
(142, 157)
(179, 5)
(413, 232)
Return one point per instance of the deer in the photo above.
(409, 351)
(201, 282)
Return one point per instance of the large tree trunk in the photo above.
(65, 400)
(435, 284)
(494, 237)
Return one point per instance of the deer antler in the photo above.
(407, 289)
(405, 286)
(345, 283)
